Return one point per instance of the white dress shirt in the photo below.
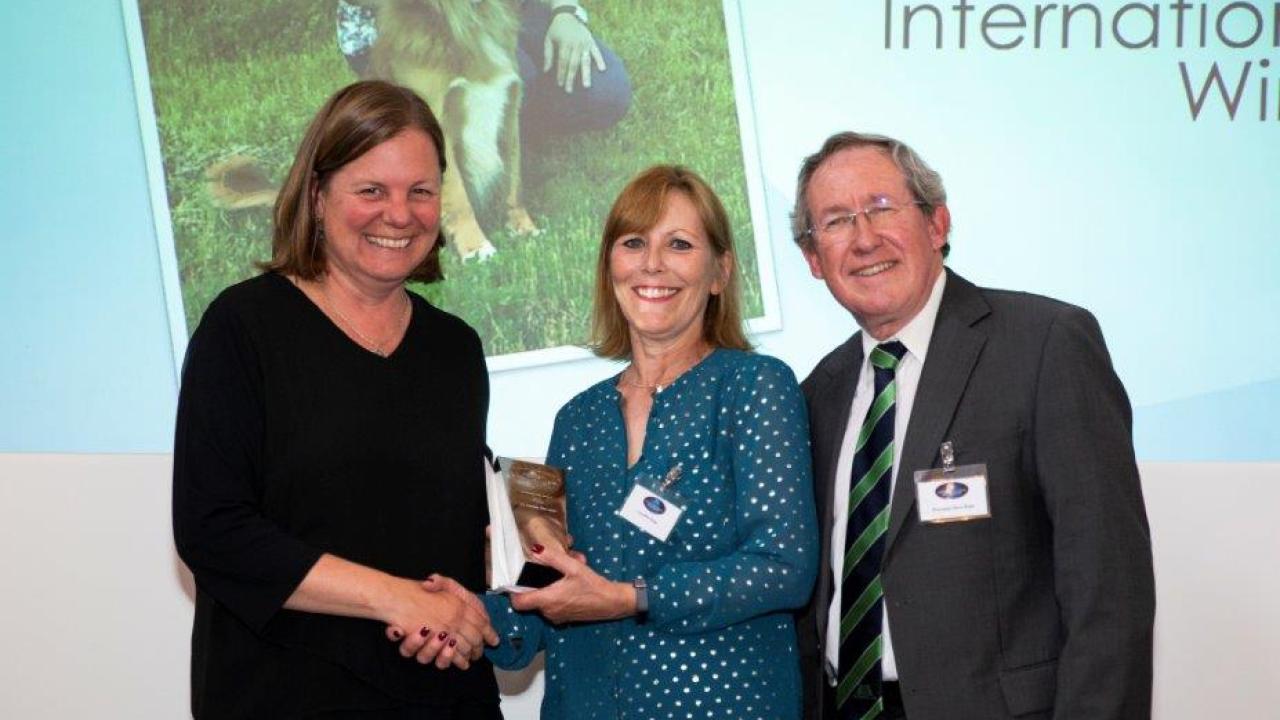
(915, 336)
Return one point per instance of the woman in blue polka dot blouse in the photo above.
(695, 623)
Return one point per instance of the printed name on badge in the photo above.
(654, 511)
(952, 494)
(651, 512)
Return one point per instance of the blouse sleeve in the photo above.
(775, 562)
(520, 635)
(239, 557)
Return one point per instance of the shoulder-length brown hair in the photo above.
(353, 121)
(637, 209)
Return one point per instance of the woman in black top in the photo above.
(328, 476)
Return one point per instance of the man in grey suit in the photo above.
(985, 544)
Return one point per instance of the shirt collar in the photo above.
(915, 335)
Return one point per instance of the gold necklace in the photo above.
(659, 386)
(377, 348)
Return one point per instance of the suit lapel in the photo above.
(953, 352)
(836, 397)
(844, 380)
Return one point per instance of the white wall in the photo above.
(95, 615)
(1215, 540)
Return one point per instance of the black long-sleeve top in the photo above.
(293, 441)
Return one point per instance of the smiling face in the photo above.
(381, 212)
(663, 277)
(883, 275)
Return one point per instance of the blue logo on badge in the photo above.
(952, 490)
(655, 505)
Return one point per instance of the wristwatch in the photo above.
(573, 9)
(642, 595)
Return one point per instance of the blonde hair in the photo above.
(638, 208)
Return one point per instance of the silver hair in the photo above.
(923, 181)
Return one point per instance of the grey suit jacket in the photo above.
(1045, 609)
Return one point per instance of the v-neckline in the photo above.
(350, 341)
(631, 468)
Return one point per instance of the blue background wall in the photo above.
(1084, 180)
(86, 364)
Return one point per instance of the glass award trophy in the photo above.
(526, 507)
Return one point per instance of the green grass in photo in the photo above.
(243, 77)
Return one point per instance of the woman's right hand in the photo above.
(438, 620)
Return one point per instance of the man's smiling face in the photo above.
(882, 275)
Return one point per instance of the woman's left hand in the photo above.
(581, 595)
(542, 530)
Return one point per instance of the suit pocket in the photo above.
(1030, 689)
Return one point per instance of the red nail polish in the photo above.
(536, 548)
(453, 642)
(425, 631)
(442, 636)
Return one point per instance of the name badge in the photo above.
(653, 511)
(951, 493)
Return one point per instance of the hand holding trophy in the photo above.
(526, 508)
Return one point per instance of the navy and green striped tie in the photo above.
(861, 596)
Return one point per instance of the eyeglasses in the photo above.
(841, 228)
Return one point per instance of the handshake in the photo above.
(444, 623)
(527, 511)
